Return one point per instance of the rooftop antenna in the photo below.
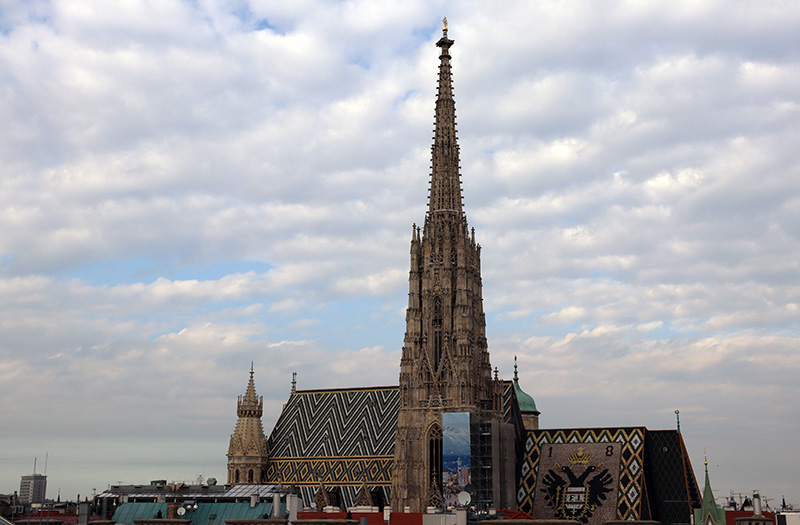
(34, 464)
(45, 463)
(294, 382)
(678, 418)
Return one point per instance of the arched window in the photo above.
(250, 476)
(437, 332)
(237, 476)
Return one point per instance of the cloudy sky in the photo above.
(186, 187)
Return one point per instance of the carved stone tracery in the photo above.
(445, 353)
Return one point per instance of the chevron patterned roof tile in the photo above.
(342, 422)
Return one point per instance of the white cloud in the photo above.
(189, 187)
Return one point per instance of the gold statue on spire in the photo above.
(444, 20)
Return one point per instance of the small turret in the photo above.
(248, 452)
(527, 406)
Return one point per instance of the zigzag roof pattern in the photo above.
(337, 423)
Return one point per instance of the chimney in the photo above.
(83, 513)
(276, 505)
(756, 504)
(253, 500)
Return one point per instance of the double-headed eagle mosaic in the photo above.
(575, 495)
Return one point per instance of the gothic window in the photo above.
(437, 332)
(250, 476)
(237, 476)
(435, 455)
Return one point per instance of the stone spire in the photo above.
(445, 196)
(250, 405)
(445, 357)
(445, 360)
(248, 452)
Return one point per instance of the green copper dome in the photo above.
(526, 402)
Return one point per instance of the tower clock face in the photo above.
(578, 481)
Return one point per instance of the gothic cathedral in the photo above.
(452, 427)
(395, 439)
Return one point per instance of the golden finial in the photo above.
(444, 21)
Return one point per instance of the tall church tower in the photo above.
(445, 362)
(248, 452)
